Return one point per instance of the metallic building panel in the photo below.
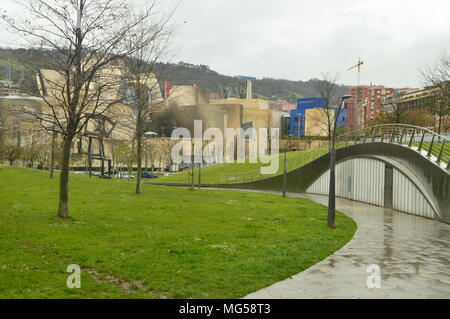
(368, 177)
(359, 179)
(408, 198)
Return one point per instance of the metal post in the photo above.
(431, 146)
(421, 142)
(199, 175)
(401, 136)
(412, 138)
(284, 175)
(392, 135)
(373, 134)
(331, 193)
(332, 190)
(192, 167)
(441, 151)
(89, 156)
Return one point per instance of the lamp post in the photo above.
(192, 166)
(52, 154)
(285, 168)
(199, 175)
(332, 190)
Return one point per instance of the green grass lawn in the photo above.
(436, 149)
(247, 172)
(164, 243)
(242, 172)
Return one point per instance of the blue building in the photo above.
(342, 119)
(298, 116)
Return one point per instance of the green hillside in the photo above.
(179, 74)
(242, 172)
(268, 88)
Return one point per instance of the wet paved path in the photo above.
(413, 254)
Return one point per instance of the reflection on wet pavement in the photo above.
(412, 253)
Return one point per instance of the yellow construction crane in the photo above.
(358, 65)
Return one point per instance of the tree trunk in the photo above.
(130, 167)
(113, 156)
(63, 210)
(139, 163)
(440, 124)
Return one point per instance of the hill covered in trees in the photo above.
(268, 88)
(12, 67)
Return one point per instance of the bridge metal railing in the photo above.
(299, 159)
(435, 146)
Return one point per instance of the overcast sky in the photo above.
(300, 39)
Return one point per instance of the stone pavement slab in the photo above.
(412, 253)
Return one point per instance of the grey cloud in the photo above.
(299, 40)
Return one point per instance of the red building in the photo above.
(365, 104)
(282, 105)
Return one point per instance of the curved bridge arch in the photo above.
(421, 156)
(385, 182)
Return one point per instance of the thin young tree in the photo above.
(326, 88)
(2, 133)
(141, 83)
(82, 40)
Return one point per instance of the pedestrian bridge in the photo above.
(403, 167)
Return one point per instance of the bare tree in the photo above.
(437, 77)
(124, 155)
(12, 153)
(51, 150)
(150, 149)
(143, 94)
(31, 153)
(327, 88)
(165, 146)
(269, 124)
(397, 111)
(83, 38)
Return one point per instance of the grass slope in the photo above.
(165, 243)
(241, 172)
